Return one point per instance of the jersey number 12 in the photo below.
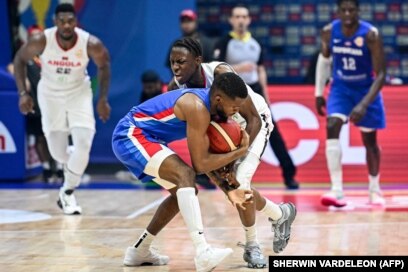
(349, 64)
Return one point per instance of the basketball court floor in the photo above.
(36, 236)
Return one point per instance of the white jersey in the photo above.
(209, 68)
(64, 70)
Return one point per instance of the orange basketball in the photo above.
(224, 136)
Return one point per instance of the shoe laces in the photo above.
(154, 252)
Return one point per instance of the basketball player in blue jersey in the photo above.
(254, 115)
(140, 142)
(358, 73)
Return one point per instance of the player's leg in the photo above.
(333, 158)
(74, 168)
(176, 171)
(373, 120)
(79, 118)
(339, 106)
(373, 157)
(172, 173)
(245, 169)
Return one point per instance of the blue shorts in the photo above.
(342, 99)
(138, 151)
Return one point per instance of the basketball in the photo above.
(224, 136)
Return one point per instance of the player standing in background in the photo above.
(358, 72)
(140, 142)
(65, 95)
(189, 71)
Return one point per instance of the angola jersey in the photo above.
(351, 56)
(209, 69)
(64, 69)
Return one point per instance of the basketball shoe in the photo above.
(209, 258)
(333, 198)
(137, 257)
(376, 198)
(67, 202)
(253, 255)
(282, 226)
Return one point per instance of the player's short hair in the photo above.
(231, 84)
(339, 2)
(191, 44)
(64, 7)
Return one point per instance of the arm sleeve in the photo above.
(323, 70)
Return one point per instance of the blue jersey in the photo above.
(351, 57)
(156, 118)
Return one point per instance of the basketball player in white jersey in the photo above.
(190, 72)
(65, 95)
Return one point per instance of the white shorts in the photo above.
(64, 110)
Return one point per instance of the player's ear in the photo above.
(199, 60)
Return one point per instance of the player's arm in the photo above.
(34, 46)
(250, 114)
(248, 110)
(375, 45)
(323, 69)
(193, 111)
(100, 55)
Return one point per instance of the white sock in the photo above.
(250, 234)
(272, 210)
(190, 210)
(145, 240)
(333, 157)
(374, 183)
(46, 165)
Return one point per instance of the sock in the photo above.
(190, 210)
(272, 210)
(46, 165)
(250, 234)
(145, 240)
(374, 183)
(333, 157)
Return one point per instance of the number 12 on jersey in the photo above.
(349, 63)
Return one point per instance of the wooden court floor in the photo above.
(35, 236)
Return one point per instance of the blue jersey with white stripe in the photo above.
(351, 56)
(156, 118)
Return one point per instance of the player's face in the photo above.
(240, 19)
(348, 13)
(226, 107)
(183, 64)
(66, 23)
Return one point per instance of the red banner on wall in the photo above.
(305, 135)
